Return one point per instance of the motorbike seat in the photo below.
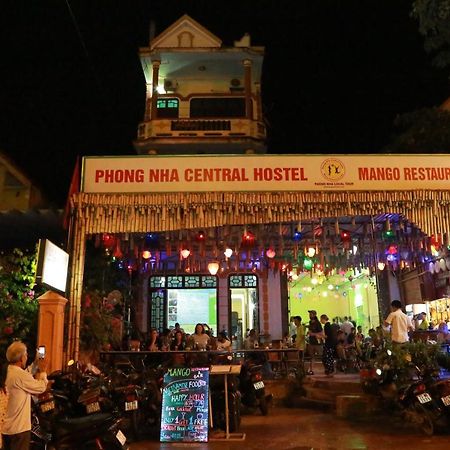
(255, 368)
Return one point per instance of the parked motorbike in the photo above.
(148, 416)
(418, 401)
(96, 431)
(252, 387)
(217, 389)
(77, 393)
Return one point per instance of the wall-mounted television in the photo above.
(52, 265)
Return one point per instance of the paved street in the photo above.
(304, 429)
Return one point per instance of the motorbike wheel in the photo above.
(146, 423)
(263, 405)
(135, 425)
(426, 423)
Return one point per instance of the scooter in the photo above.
(96, 431)
(415, 400)
(252, 388)
(217, 388)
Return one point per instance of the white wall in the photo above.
(274, 299)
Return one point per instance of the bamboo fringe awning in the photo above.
(134, 213)
(119, 213)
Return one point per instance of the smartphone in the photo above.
(41, 351)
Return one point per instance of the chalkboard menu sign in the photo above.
(184, 414)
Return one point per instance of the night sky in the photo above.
(336, 74)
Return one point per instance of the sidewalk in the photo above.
(304, 429)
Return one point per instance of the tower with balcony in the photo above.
(202, 97)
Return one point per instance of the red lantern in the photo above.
(108, 240)
(345, 235)
(435, 241)
(248, 239)
(200, 236)
(392, 249)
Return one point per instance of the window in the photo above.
(217, 107)
(167, 108)
(186, 299)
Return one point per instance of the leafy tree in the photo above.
(434, 25)
(103, 301)
(101, 322)
(423, 131)
(18, 294)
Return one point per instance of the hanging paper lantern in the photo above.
(185, 253)
(118, 251)
(389, 235)
(146, 254)
(213, 267)
(392, 250)
(200, 237)
(270, 253)
(435, 241)
(297, 236)
(308, 263)
(228, 252)
(248, 239)
(108, 240)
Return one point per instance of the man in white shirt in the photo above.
(346, 327)
(20, 385)
(399, 322)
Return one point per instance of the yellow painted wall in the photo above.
(337, 302)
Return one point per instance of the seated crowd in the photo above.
(176, 339)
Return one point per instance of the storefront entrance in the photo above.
(244, 304)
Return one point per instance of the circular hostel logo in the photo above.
(332, 169)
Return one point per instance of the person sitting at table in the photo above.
(223, 343)
(178, 342)
(199, 339)
(443, 335)
(252, 340)
(176, 328)
(154, 343)
(165, 340)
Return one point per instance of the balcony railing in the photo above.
(200, 125)
(161, 128)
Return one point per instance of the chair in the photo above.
(275, 358)
(291, 360)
